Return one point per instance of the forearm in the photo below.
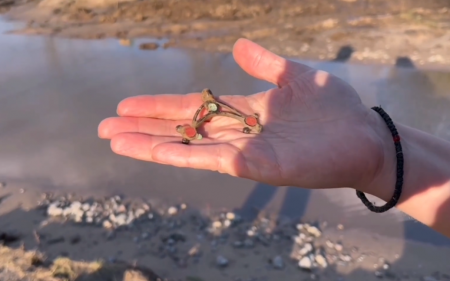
(426, 188)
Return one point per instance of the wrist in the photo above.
(382, 183)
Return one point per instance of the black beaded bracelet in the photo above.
(399, 181)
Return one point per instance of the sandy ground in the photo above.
(178, 242)
(372, 31)
(38, 246)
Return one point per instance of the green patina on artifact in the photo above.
(213, 108)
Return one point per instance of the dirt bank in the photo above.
(371, 31)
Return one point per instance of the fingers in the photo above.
(172, 107)
(168, 150)
(265, 65)
(117, 125)
(221, 157)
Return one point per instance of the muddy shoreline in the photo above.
(367, 31)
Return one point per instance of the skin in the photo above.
(338, 142)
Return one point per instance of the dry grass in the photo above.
(20, 265)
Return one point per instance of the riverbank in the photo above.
(366, 31)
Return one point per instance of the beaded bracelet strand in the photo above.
(400, 163)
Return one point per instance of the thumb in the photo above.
(265, 65)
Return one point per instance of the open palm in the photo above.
(317, 133)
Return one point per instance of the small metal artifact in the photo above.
(217, 108)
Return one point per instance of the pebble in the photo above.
(386, 266)
(183, 206)
(227, 223)
(278, 262)
(221, 261)
(314, 231)
(338, 247)
(217, 224)
(172, 211)
(54, 210)
(121, 219)
(86, 207)
(321, 261)
(238, 244)
(340, 227)
(307, 248)
(329, 244)
(230, 216)
(194, 251)
(107, 224)
(2, 184)
(345, 258)
(139, 212)
(305, 263)
(149, 46)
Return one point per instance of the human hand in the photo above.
(317, 133)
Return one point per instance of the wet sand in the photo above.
(55, 91)
(373, 31)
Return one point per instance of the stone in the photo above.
(230, 216)
(345, 258)
(121, 219)
(54, 210)
(149, 46)
(248, 243)
(107, 224)
(321, 261)
(172, 211)
(2, 184)
(338, 247)
(278, 262)
(86, 207)
(238, 244)
(314, 231)
(305, 263)
(183, 206)
(217, 224)
(340, 227)
(226, 223)
(221, 261)
(307, 248)
(194, 251)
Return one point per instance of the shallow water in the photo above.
(54, 92)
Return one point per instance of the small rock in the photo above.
(338, 247)
(76, 205)
(278, 262)
(345, 258)
(378, 274)
(22, 190)
(305, 263)
(340, 227)
(307, 248)
(125, 42)
(145, 235)
(194, 251)
(217, 224)
(321, 261)
(300, 226)
(54, 210)
(329, 244)
(86, 207)
(121, 219)
(227, 223)
(121, 208)
(314, 231)
(230, 216)
(89, 219)
(386, 266)
(149, 46)
(2, 184)
(221, 261)
(172, 211)
(183, 206)
(139, 212)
